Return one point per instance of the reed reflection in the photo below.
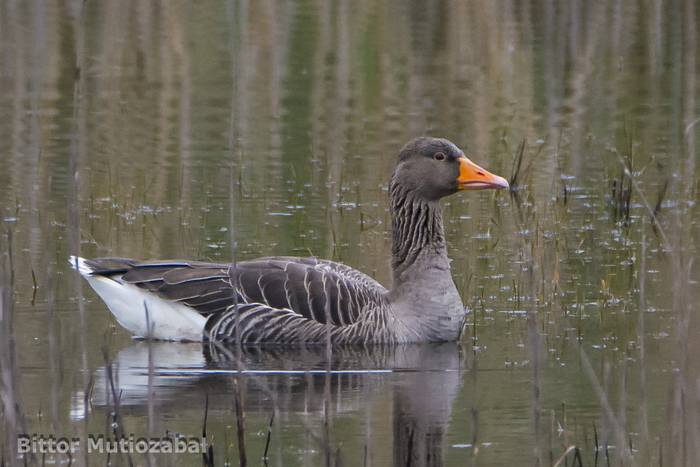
(421, 382)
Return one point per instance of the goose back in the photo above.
(273, 299)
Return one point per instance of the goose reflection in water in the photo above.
(418, 381)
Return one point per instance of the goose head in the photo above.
(432, 168)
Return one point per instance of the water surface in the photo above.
(251, 128)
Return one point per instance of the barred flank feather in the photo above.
(279, 299)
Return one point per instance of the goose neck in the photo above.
(418, 239)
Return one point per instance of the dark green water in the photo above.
(174, 129)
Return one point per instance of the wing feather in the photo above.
(280, 290)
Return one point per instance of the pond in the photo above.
(242, 129)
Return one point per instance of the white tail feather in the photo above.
(137, 309)
(80, 265)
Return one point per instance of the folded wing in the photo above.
(265, 297)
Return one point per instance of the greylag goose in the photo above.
(307, 300)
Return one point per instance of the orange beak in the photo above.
(473, 177)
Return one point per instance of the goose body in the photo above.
(307, 300)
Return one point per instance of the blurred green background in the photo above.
(204, 130)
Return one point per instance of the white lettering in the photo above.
(154, 445)
(96, 444)
(23, 444)
(49, 444)
(166, 446)
(62, 446)
(141, 446)
(193, 446)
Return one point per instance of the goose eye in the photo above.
(439, 156)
